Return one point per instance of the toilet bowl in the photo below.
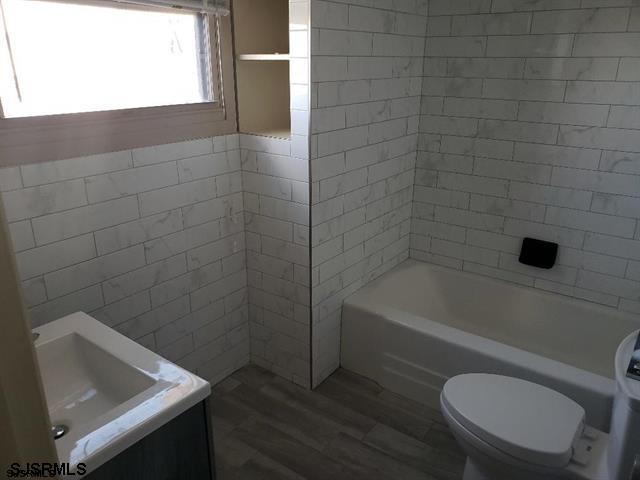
(512, 429)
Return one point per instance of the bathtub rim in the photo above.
(410, 262)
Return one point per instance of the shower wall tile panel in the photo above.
(366, 70)
(276, 194)
(530, 126)
(277, 229)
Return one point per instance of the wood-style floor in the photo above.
(348, 428)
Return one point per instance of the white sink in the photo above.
(108, 390)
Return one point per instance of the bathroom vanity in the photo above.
(120, 409)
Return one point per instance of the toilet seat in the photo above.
(526, 421)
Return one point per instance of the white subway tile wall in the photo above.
(276, 195)
(530, 126)
(366, 64)
(445, 132)
(198, 250)
(149, 241)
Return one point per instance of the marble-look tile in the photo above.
(606, 44)
(491, 24)
(54, 256)
(364, 142)
(21, 235)
(93, 271)
(206, 166)
(584, 20)
(33, 202)
(85, 300)
(34, 291)
(528, 5)
(137, 231)
(173, 151)
(182, 195)
(571, 68)
(10, 179)
(563, 168)
(58, 226)
(57, 171)
(458, 7)
(123, 310)
(629, 70)
(91, 257)
(128, 182)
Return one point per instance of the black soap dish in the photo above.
(538, 253)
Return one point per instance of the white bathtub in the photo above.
(419, 324)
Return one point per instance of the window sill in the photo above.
(41, 139)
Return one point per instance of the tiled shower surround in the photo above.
(276, 194)
(444, 131)
(366, 68)
(277, 229)
(530, 127)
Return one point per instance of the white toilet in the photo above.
(512, 429)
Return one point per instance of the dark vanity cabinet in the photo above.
(180, 450)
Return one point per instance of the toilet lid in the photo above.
(525, 420)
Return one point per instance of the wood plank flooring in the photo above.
(348, 428)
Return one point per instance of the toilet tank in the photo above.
(624, 436)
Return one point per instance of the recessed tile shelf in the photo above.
(264, 57)
(262, 67)
(282, 133)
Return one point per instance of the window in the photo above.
(65, 58)
(120, 68)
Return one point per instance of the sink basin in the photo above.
(83, 381)
(108, 391)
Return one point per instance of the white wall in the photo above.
(276, 193)
(530, 127)
(510, 118)
(366, 74)
(149, 241)
(152, 241)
